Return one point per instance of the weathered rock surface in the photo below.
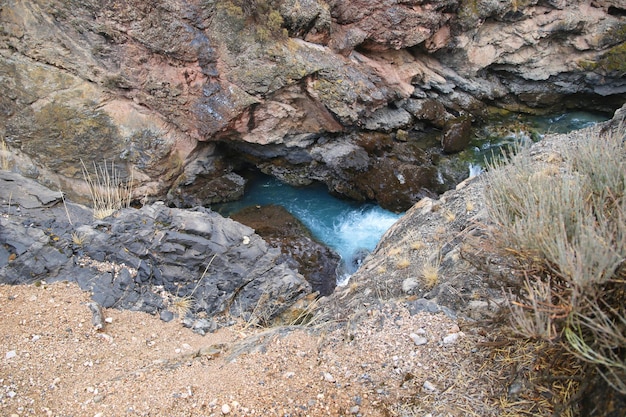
(281, 229)
(143, 259)
(434, 254)
(148, 84)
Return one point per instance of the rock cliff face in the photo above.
(182, 93)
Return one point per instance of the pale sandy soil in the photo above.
(54, 363)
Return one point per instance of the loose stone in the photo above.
(418, 340)
(428, 386)
(452, 338)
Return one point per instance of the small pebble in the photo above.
(10, 354)
(225, 409)
(354, 409)
(328, 377)
(428, 386)
(452, 338)
(418, 340)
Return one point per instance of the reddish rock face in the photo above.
(147, 84)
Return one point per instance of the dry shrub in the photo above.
(567, 230)
(430, 271)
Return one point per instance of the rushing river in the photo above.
(512, 129)
(348, 227)
(351, 228)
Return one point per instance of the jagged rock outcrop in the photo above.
(180, 93)
(316, 262)
(440, 251)
(142, 259)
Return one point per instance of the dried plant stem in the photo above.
(108, 193)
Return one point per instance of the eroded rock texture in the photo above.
(181, 93)
(143, 259)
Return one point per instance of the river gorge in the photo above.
(183, 95)
(289, 159)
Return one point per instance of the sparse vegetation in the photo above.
(565, 232)
(262, 15)
(430, 271)
(449, 216)
(109, 193)
(4, 156)
(182, 305)
(417, 245)
(78, 238)
(403, 263)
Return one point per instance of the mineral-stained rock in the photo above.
(457, 135)
(147, 84)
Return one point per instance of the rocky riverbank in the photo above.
(148, 259)
(182, 94)
(388, 342)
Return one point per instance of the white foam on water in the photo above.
(474, 170)
(357, 233)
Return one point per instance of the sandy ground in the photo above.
(55, 363)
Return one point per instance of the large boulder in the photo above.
(316, 262)
(143, 259)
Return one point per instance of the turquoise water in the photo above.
(348, 227)
(508, 131)
(352, 228)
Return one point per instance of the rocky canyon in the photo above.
(184, 95)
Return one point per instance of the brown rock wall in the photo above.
(143, 83)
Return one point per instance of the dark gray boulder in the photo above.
(144, 259)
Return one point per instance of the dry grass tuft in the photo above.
(182, 305)
(403, 263)
(430, 271)
(417, 245)
(108, 192)
(449, 216)
(78, 238)
(4, 156)
(395, 251)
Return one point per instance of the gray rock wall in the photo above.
(142, 259)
